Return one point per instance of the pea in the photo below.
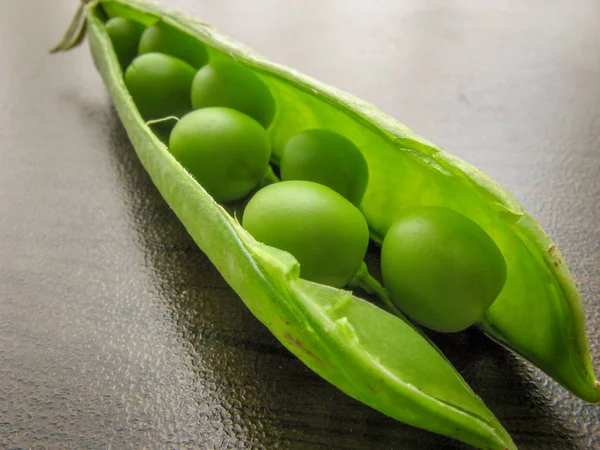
(225, 150)
(163, 38)
(228, 84)
(325, 232)
(328, 158)
(125, 36)
(160, 85)
(441, 268)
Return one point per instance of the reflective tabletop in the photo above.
(115, 329)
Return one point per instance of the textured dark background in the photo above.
(116, 331)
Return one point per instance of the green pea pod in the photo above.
(368, 353)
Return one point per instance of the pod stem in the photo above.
(365, 281)
(162, 120)
(76, 31)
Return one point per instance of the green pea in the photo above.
(125, 36)
(328, 158)
(441, 268)
(325, 232)
(225, 150)
(231, 85)
(160, 85)
(163, 38)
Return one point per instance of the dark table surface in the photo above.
(116, 331)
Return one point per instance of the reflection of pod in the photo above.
(363, 350)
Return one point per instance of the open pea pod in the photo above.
(376, 357)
